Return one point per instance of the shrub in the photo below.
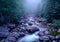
(9, 10)
(56, 23)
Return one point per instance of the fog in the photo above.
(31, 7)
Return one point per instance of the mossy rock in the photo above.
(55, 33)
(56, 23)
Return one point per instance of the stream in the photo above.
(31, 7)
(36, 26)
(34, 37)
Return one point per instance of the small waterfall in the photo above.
(30, 38)
(31, 7)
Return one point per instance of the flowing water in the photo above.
(31, 7)
(32, 37)
(29, 38)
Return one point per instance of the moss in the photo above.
(56, 24)
(55, 33)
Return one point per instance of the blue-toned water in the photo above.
(29, 38)
(31, 7)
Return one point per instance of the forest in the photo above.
(29, 20)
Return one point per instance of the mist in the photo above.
(31, 7)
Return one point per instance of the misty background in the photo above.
(23, 18)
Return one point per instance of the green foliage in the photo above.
(56, 26)
(9, 10)
(55, 33)
(53, 10)
(56, 23)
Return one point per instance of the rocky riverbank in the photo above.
(11, 32)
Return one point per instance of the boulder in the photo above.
(58, 37)
(14, 34)
(4, 34)
(10, 39)
(45, 38)
(41, 33)
(4, 31)
(11, 25)
(21, 34)
(32, 29)
(58, 30)
(51, 37)
(15, 30)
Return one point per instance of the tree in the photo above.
(9, 10)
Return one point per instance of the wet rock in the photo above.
(2, 40)
(58, 30)
(45, 38)
(4, 32)
(42, 20)
(41, 34)
(21, 34)
(32, 29)
(10, 39)
(22, 21)
(42, 29)
(26, 23)
(14, 34)
(3, 29)
(47, 32)
(58, 37)
(30, 24)
(15, 30)
(22, 30)
(51, 37)
(54, 41)
(11, 25)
